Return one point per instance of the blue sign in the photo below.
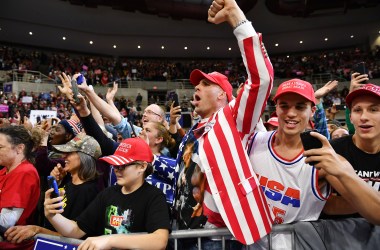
(48, 244)
(8, 88)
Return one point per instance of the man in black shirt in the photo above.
(361, 161)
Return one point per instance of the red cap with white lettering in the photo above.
(367, 89)
(296, 86)
(130, 150)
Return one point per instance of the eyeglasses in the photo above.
(150, 112)
(122, 167)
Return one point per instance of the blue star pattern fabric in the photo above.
(164, 176)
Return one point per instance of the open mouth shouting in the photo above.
(196, 100)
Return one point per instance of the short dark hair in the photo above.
(335, 122)
(17, 135)
(148, 170)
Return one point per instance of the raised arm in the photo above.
(96, 114)
(111, 92)
(103, 107)
(319, 115)
(92, 128)
(251, 102)
(43, 163)
(110, 111)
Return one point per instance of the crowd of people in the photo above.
(230, 169)
(101, 70)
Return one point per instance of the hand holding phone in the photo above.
(361, 69)
(176, 103)
(2, 231)
(52, 183)
(310, 142)
(54, 121)
(74, 87)
(38, 119)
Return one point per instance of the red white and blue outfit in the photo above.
(232, 196)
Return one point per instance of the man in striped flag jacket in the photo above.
(216, 186)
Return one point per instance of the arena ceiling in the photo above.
(176, 24)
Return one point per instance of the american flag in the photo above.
(164, 177)
(233, 184)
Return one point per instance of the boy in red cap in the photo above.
(293, 188)
(131, 206)
(362, 151)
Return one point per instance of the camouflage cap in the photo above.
(81, 143)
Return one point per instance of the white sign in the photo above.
(37, 116)
(27, 99)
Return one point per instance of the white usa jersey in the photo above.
(290, 186)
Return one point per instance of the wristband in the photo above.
(240, 23)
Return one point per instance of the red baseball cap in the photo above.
(296, 86)
(369, 89)
(130, 150)
(272, 121)
(196, 76)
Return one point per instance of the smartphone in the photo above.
(360, 68)
(53, 121)
(2, 230)
(80, 79)
(176, 103)
(52, 183)
(310, 142)
(74, 87)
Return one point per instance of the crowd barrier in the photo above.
(352, 233)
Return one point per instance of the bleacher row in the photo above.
(183, 88)
(103, 69)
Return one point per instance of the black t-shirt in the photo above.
(112, 212)
(76, 199)
(367, 166)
